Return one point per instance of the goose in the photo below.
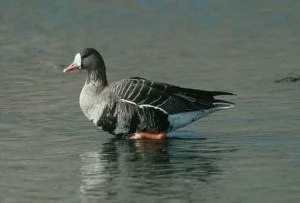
(138, 108)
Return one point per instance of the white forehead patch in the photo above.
(77, 60)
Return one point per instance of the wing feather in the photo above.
(170, 98)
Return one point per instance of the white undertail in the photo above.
(183, 119)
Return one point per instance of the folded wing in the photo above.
(170, 98)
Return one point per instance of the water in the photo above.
(50, 153)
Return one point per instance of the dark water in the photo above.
(50, 153)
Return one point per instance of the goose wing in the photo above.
(169, 98)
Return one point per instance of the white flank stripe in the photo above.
(144, 105)
(124, 100)
(147, 105)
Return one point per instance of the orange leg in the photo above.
(148, 136)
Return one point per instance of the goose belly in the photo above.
(125, 119)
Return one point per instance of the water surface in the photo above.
(50, 153)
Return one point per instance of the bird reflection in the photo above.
(127, 166)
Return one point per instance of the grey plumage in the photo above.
(135, 105)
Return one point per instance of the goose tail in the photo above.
(222, 104)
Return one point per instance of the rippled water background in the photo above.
(50, 153)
